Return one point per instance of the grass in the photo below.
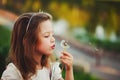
(104, 44)
(79, 74)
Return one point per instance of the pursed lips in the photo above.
(53, 46)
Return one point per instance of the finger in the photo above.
(67, 54)
(67, 62)
(64, 56)
(67, 57)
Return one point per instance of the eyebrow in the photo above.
(47, 32)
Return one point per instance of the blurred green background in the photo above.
(86, 20)
(93, 22)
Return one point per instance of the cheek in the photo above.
(43, 47)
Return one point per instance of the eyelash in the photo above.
(48, 36)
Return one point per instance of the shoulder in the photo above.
(11, 72)
(55, 67)
(56, 71)
(55, 64)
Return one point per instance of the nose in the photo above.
(52, 39)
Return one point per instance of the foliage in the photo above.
(79, 74)
(4, 46)
(77, 12)
(107, 45)
(104, 44)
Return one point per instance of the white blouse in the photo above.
(12, 73)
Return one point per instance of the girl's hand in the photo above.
(67, 59)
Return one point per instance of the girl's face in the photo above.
(46, 43)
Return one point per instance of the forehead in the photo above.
(46, 26)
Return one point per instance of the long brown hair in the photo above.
(23, 42)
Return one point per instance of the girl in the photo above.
(32, 44)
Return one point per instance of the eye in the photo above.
(46, 36)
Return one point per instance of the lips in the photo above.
(53, 46)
